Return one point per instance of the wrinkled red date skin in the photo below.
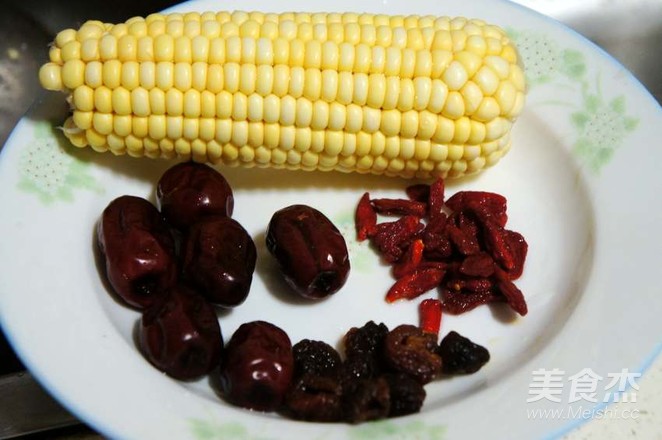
(138, 251)
(219, 260)
(189, 191)
(311, 252)
(181, 335)
(257, 366)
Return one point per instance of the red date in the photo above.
(189, 191)
(181, 335)
(257, 368)
(311, 252)
(138, 251)
(219, 259)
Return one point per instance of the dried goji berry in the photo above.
(430, 315)
(513, 296)
(399, 207)
(473, 285)
(435, 238)
(486, 204)
(410, 260)
(436, 198)
(439, 265)
(415, 284)
(477, 265)
(518, 248)
(391, 238)
(456, 303)
(365, 218)
(419, 192)
(497, 244)
(463, 242)
(467, 222)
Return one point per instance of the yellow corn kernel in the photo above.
(102, 123)
(157, 127)
(376, 90)
(407, 94)
(255, 111)
(140, 102)
(103, 101)
(183, 76)
(50, 76)
(408, 65)
(473, 97)
(231, 77)
(165, 75)
(454, 107)
(122, 125)
(247, 78)
(337, 116)
(409, 124)
(391, 92)
(73, 74)
(80, 120)
(345, 88)
(130, 75)
(422, 92)
(371, 119)
(174, 102)
(462, 131)
(391, 122)
(239, 107)
(83, 98)
(121, 101)
(64, 37)
(207, 104)
(108, 47)
(469, 61)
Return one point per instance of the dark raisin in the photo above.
(460, 355)
(360, 366)
(407, 394)
(315, 357)
(366, 399)
(314, 398)
(409, 350)
(365, 340)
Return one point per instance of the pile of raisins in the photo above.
(458, 245)
(382, 375)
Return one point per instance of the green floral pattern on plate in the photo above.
(601, 122)
(47, 170)
(388, 430)
(361, 256)
(377, 430)
(206, 430)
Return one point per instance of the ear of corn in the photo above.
(413, 96)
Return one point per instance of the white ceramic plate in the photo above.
(583, 187)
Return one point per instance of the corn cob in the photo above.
(413, 96)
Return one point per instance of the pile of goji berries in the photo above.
(458, 245)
